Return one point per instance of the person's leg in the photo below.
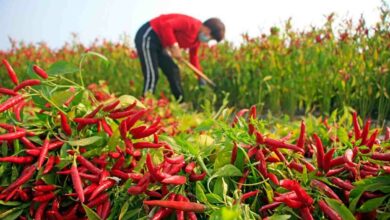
(147, 52)
(172, 72)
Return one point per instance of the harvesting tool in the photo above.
(198, 72)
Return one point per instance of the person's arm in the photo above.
(194, 60)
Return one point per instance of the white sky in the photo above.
(53, 21)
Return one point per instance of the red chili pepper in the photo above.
(287, 195)
(269, 206)
(341, 183)
(44, 188)
(301, 193)
(40, 72)
(175, 168)
(238, 115)
(252, 112)
(9, 103)
(174, 160)
(23, 195)
(45, 197)
(247, 195)
(337, 161)
(295, 166)
(295, 204)
(327, 159)
(242, 180)
(278, 144)
(65, 125)
(55, 145)
(28, 82)
(6, 91)
(175, 180)
(99, 200)
(106, 127)
(90, 177)
(130, 121)
(90, 189)
(356, 126)
(77, 184)
(301, 139)
(54, 214)
(11, 72)
(190, 167)
(86, 121)
(144, 133)
(118, 115)
(17, 159)
(111, 106)
(324, 188)
(28, 144)
(142, 145)
(306, 214)
(12, 136)
(387, 134)
(179, 213)
(273, 178)
(153, 194)
(86, 163)
(44, 151)
(184, 206)
(18, 110)
(40, 211)
(106, 209)
(197, 177)
(365, 131)
(320, 152)
(50, 164)
(372, 139)
(25, 176)
(310, 167)
(328, 211)
(102, 187)
(262, 166)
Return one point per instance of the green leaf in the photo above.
(62, 67)
(200, 195)
(124, 210)
(90, 213)
(213, 198)
(9, 203)
(126, 100)
(11, 214)
(372, 204)
(279, 217)
(340, 208)
(85, 141)
(228, 170)
(60, 97)
(101, 56)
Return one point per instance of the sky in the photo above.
(54, 21)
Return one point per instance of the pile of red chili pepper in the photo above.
(79, 155)
(53, 170)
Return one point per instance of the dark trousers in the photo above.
(152, 55)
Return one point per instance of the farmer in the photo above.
(160, 40)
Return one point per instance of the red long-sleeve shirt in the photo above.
(181, 29)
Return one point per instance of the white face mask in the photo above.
(203, 37)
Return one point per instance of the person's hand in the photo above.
(201, 82)
(175, 51)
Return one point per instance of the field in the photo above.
(294, 129)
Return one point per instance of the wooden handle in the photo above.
(198, 72)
